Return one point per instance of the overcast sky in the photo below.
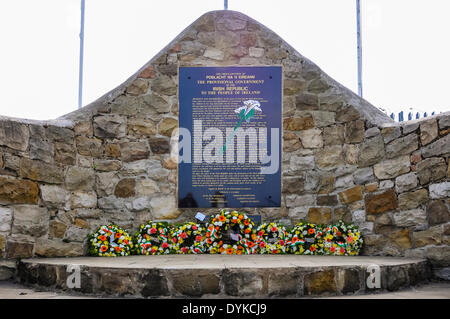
(406, 47)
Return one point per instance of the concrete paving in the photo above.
(434, 290)
(11, 290)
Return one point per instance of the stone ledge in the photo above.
(227, 276)
(64, 123)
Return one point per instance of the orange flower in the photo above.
(209, 241)
(240, 217)
(247, 230)
(221, 249)
(240, 247)
(251, 244)
(311, 231)
(246, 222)
(230, 251)
(312, 248)
(253, 236)
(117, 248)
(238, 252)
(102, 238)
(118, 235)
(104, 248)
(234, 221)
(222, 218)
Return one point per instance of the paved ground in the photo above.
(438, 290)
(11, 290)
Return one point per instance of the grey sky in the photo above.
(405, 46)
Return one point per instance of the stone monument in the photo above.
(341, 157)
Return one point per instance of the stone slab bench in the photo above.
(214, 276)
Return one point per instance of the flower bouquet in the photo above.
(342, 239)
(153, 238)
(305, 239)
(188, 238)
(231, 233)
(271, 238)
(110, 241)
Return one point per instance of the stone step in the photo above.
(221, 275)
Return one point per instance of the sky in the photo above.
(406, 47)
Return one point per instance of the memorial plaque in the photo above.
(230, 136)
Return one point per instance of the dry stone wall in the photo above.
(342, 157)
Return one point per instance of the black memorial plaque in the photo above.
(230, 136)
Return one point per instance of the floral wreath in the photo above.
(233, 222)
(110, 241)
(188, 238)
(271, 238)
(306, 239)
(153, 239)
(342, 239)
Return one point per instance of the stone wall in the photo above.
(109, 162)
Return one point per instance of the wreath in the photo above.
(231, 233)
(306, 239)
(110, 241)
(271, 238)
(342, 239)
(153, 239)
(188, 238)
